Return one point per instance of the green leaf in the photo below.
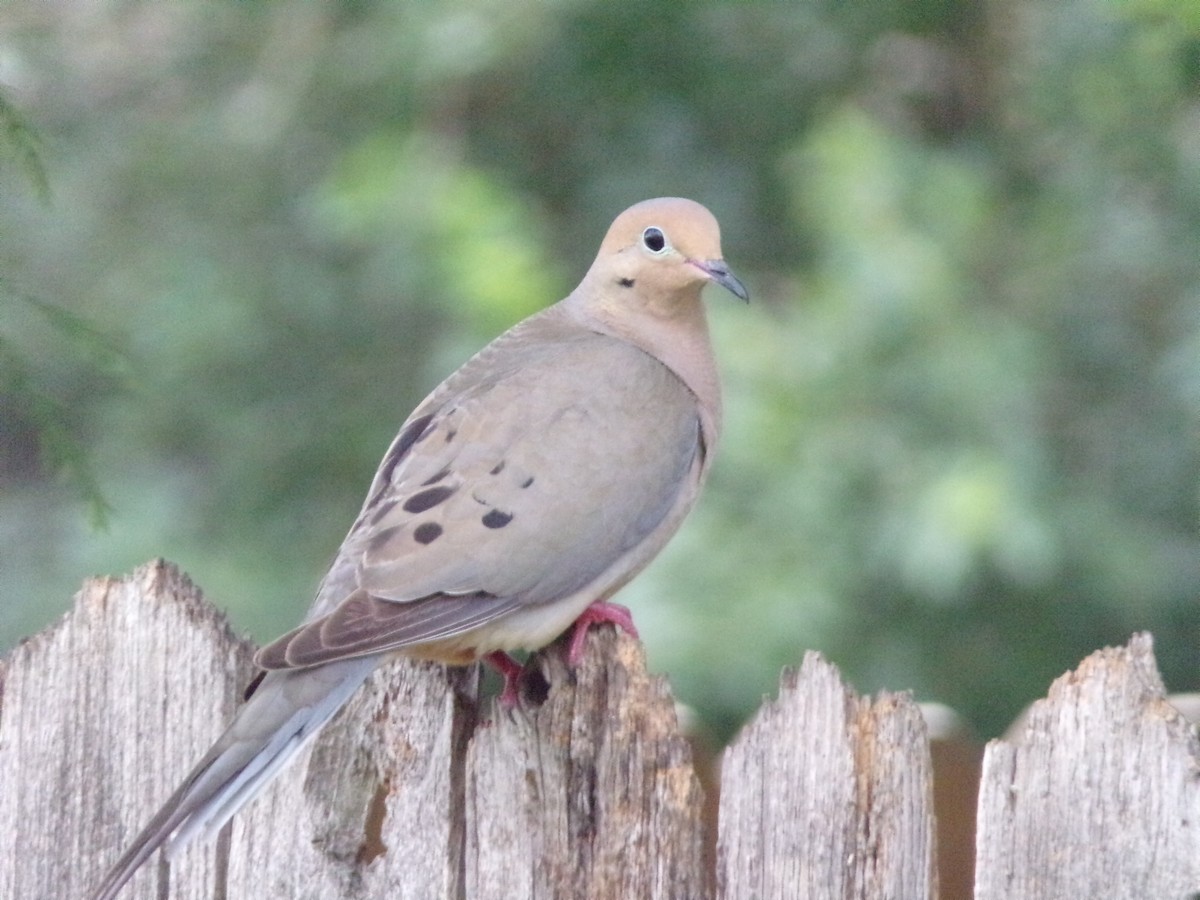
(20, 144)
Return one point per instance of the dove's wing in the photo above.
(542, 471)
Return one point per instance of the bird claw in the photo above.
(510, 670)
(598, 613)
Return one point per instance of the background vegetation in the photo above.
(961, 448)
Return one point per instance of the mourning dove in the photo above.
(529, 487)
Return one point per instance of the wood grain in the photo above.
(827, 794)
(1097, 795)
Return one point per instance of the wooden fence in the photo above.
(419, 791)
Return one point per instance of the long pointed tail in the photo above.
(283, 714)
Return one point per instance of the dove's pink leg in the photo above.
(597, 614)
(510, 670)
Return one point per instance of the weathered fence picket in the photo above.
(420, 790)
(1099, 793)
(826, 794)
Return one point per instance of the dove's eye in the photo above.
(654, 240)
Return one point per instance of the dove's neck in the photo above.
(674, 332)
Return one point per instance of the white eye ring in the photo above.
(654, 240)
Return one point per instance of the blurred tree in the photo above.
(961, 442)
(51, 364)
(36, 399)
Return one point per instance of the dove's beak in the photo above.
(719, 272)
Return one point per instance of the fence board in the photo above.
(371, 810)
(88, 747)
(592, 795)
(826, 794)
(1098, 796)
(586, 791)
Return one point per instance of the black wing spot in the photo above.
(415, 430)
(451, 434)
(382, 510)
(498, 468)
(625, 282)
(436, 477)
(381, 539)
(527, 482)
(427, 532)
(427, 499)
(496, 519)
(253, 685)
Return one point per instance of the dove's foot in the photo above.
(510, 670)
(597, 614)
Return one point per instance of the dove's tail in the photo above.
(284, 713)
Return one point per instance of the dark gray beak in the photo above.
(718, 271)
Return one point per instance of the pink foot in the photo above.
(597, 614)
(510, 670)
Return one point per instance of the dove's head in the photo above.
(644, 287)
(660, 253)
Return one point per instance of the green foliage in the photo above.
(49, 357)
(961, 416)
(20, 145)
(477, 238)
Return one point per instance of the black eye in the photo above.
(654, 240)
